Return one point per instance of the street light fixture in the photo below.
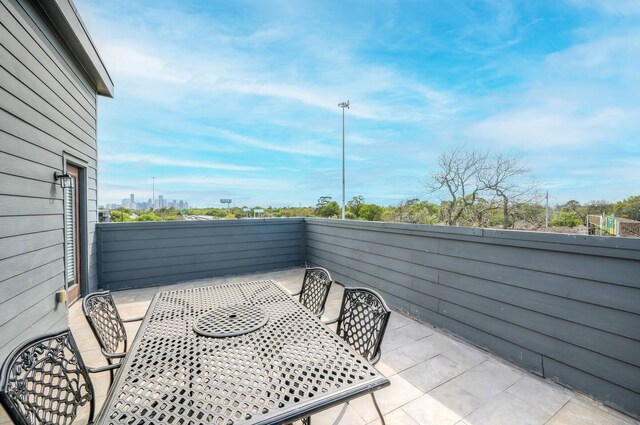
(343, 105)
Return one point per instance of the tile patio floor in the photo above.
(435, 378)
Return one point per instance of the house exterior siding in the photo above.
(47, 118)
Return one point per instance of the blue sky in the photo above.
(239, 99)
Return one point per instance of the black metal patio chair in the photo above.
(107, 325)
(362, 322)
(45, 381)
(315, 289)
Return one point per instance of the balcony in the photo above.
(488, 327)
(436, 378)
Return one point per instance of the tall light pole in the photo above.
(153, 193)
(343, 105)
(546, 212)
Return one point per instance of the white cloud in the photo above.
(545, 127)
(127, 59)
(615, 56)
(584, 96)
(173, 162)
(612, 7)
(227, 182)
(310, 148)
(167, 73)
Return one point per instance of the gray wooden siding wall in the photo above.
(565, 307)
(47, 112)
(135, 255)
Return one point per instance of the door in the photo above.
(72, 234)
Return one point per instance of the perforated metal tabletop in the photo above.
(275, 371)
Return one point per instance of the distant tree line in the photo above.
(529, 215)
(479, 214)
(476, 189)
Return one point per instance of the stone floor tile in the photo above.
(446, 405)
(99, 404)
(428, 347)
(342, 414)
(576, 413)
(546, 395)
(395, 361)
(393, 340)
(4, 417)
(397, 320)
(397, 417)
(487, 380)
(383, 368)
(416, 330)
(389, 399)
(466, 355)
(434, 372)
(507, 409)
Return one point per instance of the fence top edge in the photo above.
(135, 225)
(486, 234)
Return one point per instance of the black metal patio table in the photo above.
(244, 353)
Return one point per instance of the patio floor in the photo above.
(435, 378)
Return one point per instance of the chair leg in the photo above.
(111, 374)
(373, 396)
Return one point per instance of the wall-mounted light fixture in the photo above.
(62, 296)
(66, 181)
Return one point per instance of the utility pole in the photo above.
(546, 213)
(343, 105)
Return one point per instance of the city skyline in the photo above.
(158, 203)
(240, 100)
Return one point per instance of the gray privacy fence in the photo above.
(134, 255)
(562, 306)
(565, 307)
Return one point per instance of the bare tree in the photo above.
(477, 182)
(458, 173)
(506, 177)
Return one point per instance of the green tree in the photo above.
(354, 205)
(575, 207)
(412, 211)
(531, 213)
(121, 214)
(629, 208)
(149, 217)
(331, 209)
(322, 201)
(371, 212)
(482, 213)
(569, 219)
(599, 207)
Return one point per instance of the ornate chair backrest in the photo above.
(315, 289)
(363, 321)
(45, 381)
(104, 319)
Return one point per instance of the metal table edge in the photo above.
(312, 407)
